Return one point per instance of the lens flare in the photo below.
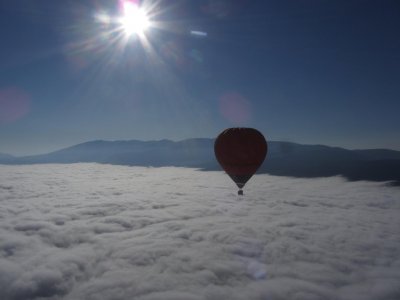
(14, 104)
(235, 108)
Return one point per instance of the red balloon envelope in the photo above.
(240, 152)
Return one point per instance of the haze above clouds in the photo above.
(91, 231)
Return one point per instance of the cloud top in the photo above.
(90, 231)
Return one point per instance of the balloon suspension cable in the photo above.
(240, 192)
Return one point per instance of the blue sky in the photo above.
(307, 71)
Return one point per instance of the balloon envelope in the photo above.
(240, 152)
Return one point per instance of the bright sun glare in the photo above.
(134, 19)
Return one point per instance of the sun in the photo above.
(134, 19)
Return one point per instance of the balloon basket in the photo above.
(240, 192)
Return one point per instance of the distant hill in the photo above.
(289, 159)
(374, 154)
(5, 157)
(284, 158)
(188, 153)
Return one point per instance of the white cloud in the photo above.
(89, 231)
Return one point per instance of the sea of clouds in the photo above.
(91, 231)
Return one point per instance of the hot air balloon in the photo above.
(240, 152)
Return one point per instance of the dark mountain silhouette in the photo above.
(188, 153)
(284, 158)
(289, 159)
(374, 154)
(5, 157)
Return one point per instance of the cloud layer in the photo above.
(89, 231)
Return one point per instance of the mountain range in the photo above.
(284, 158)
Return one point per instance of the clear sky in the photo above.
(307, 71)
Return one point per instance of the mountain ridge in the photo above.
(284, 158)
(6, 156)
